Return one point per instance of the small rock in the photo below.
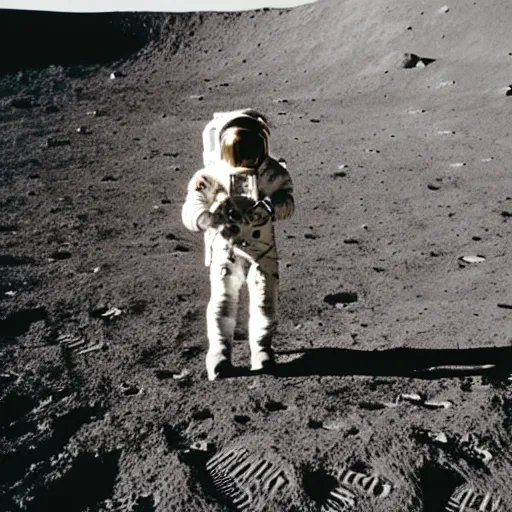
(351, 241)
(60, 255)
(444, 9)
(472, 259)
(508, 92)
(312, 423)
(341, 298)
(111, 313)
(314, 120)
(446, 83)
(243, 419)
(431, 186)
(198, 97)
(116, 74)
(339, 174)
(129, 389)
(445, 404)
(458, 164)
(83, 130)
(506, 215)
(310, 236)
(182, 375)
(409, 60)
(504, 306)
(10, 293)
(412, 397)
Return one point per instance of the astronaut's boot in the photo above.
(218, 363)
(262, 360)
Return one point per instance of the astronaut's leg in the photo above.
(262, 283)
(226, 278)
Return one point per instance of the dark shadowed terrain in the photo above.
(394, 343)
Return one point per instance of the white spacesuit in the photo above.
(235, 200)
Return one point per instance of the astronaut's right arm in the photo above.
(195, 212)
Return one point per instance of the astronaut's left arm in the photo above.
(281, 196)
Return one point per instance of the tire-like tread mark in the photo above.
(466, 497)
(247, 481)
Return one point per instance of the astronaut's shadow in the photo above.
(398, 362)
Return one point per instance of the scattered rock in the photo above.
(472, 259)
(61, 254)
(243, 419)
(111, 313)
(466, 446)
(129, 389)
(506, 214)
(273, 406)
(312, 423)
(411, 60)
(105, 312)
(83, 130)
(446, 83)
(182, 375)
(341, 299)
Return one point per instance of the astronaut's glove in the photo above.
(235, 210)
(210, 220)
(262, 212)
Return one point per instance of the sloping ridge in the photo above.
(327, 37)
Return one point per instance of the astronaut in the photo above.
(235, 200)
